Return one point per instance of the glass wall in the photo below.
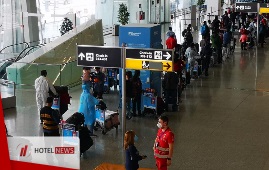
(18, 20)
(54, 11)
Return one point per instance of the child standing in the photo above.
(132, 154)
(243, 40)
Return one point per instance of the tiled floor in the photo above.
(222, 123)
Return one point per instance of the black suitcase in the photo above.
(197, 47)
(76, 119)
(85, 139)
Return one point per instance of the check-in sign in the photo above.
(149, 59)
(99, 56)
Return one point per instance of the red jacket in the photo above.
(243, 38)
(171, 43)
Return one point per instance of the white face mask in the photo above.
(159, 125)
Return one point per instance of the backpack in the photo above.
(203, 30)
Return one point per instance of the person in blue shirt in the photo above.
(132, 154)
(226, 38)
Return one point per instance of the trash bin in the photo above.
(115, 30)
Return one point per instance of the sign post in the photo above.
(149, 59)
(123, 94)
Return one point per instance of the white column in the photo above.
(30, 23)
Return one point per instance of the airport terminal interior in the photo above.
(221, 122)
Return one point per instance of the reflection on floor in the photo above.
(221, 124)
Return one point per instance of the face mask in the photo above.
(135, 138)
(159, 125)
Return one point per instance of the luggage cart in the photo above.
(106, 120)
(70, 131)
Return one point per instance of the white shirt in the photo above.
(42, 85)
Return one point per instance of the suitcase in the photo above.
(76, 119)
(213, 59)
(85, 139)
(111, 119)
(197, 47)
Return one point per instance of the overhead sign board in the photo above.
(264, 8)
(99, 56)
(149, 59)
(246, 7)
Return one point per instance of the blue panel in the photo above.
(144, 76)
(135, 37)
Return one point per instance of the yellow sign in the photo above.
(155, 65)
(264, 10)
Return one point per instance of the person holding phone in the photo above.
(132, 154)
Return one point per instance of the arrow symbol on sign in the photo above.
(81, 56)
(167, 55)
(167, 65)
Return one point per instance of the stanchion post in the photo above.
(258, 23)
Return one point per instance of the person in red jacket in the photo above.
(164, 144)
(171, 42)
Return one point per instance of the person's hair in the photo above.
(44, 73)
(86, 68)
(97, 68)
(170, 28)
(129, 139)
(204, 22)
(49, 100)
(129, 74)
(164, 119)
(136, 75)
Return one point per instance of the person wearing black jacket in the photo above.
(137, 92)
(50, 118)
(206, 55)
(171, 81)
(132, 154)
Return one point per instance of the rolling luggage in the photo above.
(197, 47)
(76, 119)
(214, 58)
(85, 139)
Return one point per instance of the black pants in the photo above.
(219, 53)
(137, 104)
(243, 45)
(205, 64)
(52, 133)
(171, 98)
